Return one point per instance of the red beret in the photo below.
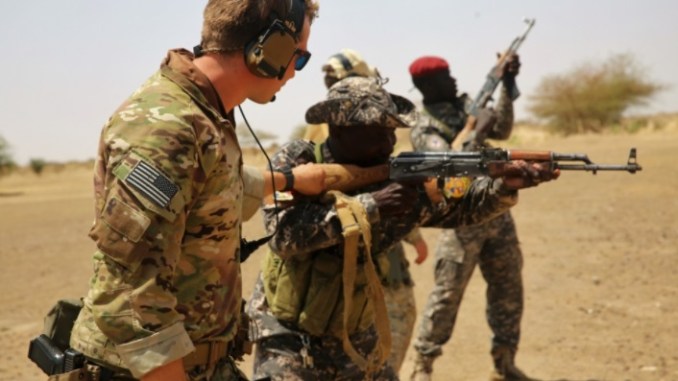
(427, 65)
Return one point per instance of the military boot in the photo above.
(505, 368)
(423, 367)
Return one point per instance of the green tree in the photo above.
(6, 161)
(592, 97)
(37, 165)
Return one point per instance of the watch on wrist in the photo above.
(289, 179)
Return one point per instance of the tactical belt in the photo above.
(206, 354)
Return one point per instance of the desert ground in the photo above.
(600, 274)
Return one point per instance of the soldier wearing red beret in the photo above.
(428, 65)
(492, 245)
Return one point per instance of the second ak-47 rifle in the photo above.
(420, 166)
(494, 77)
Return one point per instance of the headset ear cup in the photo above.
(271, 52)
(253, 56)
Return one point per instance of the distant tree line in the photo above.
(6, 161)
(246, 139)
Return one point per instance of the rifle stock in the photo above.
(465, 134)
(347, 178)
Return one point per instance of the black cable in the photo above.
(249, 247)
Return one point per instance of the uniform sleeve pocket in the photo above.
(125, 220)
(119, 232)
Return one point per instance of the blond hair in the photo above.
(228, 25)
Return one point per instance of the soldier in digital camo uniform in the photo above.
(394, 266)
(298, 307)
(171, 190)
(492, 245)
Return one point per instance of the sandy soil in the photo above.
(601, 253)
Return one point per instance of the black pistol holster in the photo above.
(51, 351)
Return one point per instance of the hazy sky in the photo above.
(66, 65)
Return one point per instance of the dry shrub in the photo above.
(592, 97)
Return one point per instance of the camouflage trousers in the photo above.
(402, 313)
(494, 247)
(280, 358)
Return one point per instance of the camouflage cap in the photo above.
(348, 63)
(359, 101)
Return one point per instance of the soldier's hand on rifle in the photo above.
(309, 179)
(395, 199)
(519, 174)
(510, 70)
(512, 66)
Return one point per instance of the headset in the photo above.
(270, 53)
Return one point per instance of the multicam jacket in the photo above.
(440, 123)
(309, 227)
(168, 191)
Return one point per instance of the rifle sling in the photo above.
(355, 225)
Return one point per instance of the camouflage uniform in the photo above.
(309, 231)
(169, 197)
(400, 303)
(279, 348)
(398, 285)
(493, 245)
(397, 282)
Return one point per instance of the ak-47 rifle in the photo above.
(492, 162)
(494, 77)
(420, 166)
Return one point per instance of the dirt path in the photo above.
(601, 254)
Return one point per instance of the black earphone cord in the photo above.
(249, 247)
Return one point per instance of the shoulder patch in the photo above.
(152, 184)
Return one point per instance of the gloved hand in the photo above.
(395, 199)
(519, 174)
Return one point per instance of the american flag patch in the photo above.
(152, 184)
